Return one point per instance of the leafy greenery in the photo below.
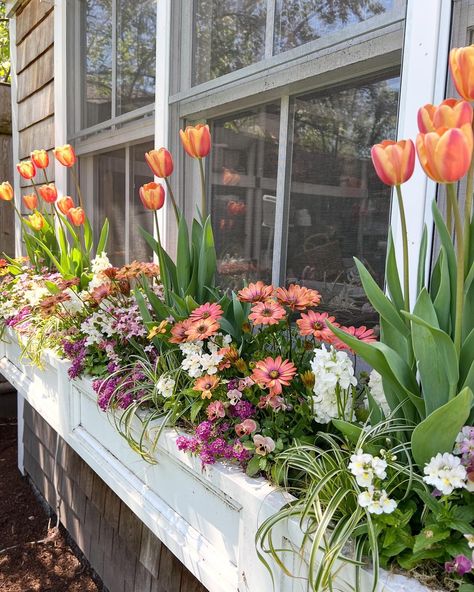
(5, 66)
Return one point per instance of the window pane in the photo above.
(243, 188)
(136, 46)
(139, 216)
(229, 34)
(339, 209)
(300, 21)
(96, 44)
(110, 175)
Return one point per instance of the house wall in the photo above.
(126, 555)
(7, 231)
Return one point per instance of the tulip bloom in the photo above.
(160, 162)
(461, 63)
(64, 204)
(77, 216)
(446, 153)
(394, 161)
(30, 201)
(36, 221)
(6, 191)
(40, 158)
(450, 113)
(48, 192)
(65, 155)
(26, 169)
(152, 196)
(196, 140)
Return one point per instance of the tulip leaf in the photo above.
(468, 312)
(420, 282)
(442, 300)
(142, 305)
(88, 240)
(447, 243)
(183, 258)
(48, 252)
(103, 238)
(437, 432)
(392, 275)
(438, 363)
(380, 301)
(425, 310)
(466, 358)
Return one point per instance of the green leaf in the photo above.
(254, 466)
(437, 360)
(159, 307)
(468, 312)
(47, 251)
(103, 238)
(51, 286)
(420, 281)
(146, 316)
(447, 243)
(429, 536)
(196, 408)
(88, 241)
(410, 560)
(183, 257)
(352, 431)
(442, 301)
(466, 588)
(437, 433)
(392, 275)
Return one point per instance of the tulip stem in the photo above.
(451, 191)
(406, 279)
(203, 190)
(468, 215)
(157, 227)
(45, 176)
(173, 201)
(40, 199)
(78, 189)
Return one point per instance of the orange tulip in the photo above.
(446, 153)
(196, 140)
(461, 63)
(36, 221)
(65, 203)
(30, 201)
(6, 191)
(77, 216)
(65, 155)
(152, 196)
(450, 113)
(394, 161)
(160, 162)
(40, 158)
(26, 169)
(48, 192)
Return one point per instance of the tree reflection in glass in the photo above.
(228, 35)
(300, 21)
(338, 207)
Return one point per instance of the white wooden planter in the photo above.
(207, 518)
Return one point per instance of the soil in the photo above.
(40, 560)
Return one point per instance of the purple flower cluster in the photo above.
(119, 387)
(210, 444)
(243, 409)
(19, 317)
(76, 351)
(465, 447)
(460, 565)
(128, 322)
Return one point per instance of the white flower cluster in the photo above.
(334, 373)
(99, 264)
(365, 469)
(197, 361)
(446, 473)
(97, 326)
(165, 385)
(36, 294)
(377, 392)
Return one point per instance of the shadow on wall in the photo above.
(7, 234)
(8, 408)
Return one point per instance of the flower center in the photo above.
(274, 374)
(317, 325)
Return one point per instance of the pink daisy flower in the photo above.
(179, 331)
(273, 374)
(207, 311)
(257, 292)
(298, 297)
(314, 323)
(267, 313)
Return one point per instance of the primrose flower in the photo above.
(365, 467)
(274, 374)
(446, 473)
(165, 386)
(470, 540)
(376, 501)
(263, 445)
(258, 292)
(377, 392)
(267, 313)
(465, 444)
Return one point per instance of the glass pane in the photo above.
(228, 35)
(139, 216)
(96, 45)
(339, 209)
(110, 175)
(136, 46)
(300, 21)
(243, 188)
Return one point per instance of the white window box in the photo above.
(207, 518)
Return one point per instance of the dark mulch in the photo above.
(47, 566)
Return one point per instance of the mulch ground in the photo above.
(31, 566)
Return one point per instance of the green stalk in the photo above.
(468, 214)
(78, 189)
(157, 226)
(406, 280)
(173, 201)
(451, 191)
(203, 190)
(40, 199)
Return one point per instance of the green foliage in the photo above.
(5, 66)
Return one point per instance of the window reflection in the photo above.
(243, 188)
(229, 34)
(136, 46)
(300, 21)
(339, 209)
(139, 216)
(110, 175)
(96, 16)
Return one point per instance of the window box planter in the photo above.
(207, 518)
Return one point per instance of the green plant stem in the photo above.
(173, 201)
(451, 191)
(468, 215)
(45, 176)
(40, 199)
(203, 190)
(78, 189)
(406, 279)
(449, 218)
(157, 226)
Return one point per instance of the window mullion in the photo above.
(114, 59)
(128, 177)
(282, 193)
(270, 28)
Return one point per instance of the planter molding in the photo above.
(207, 518)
